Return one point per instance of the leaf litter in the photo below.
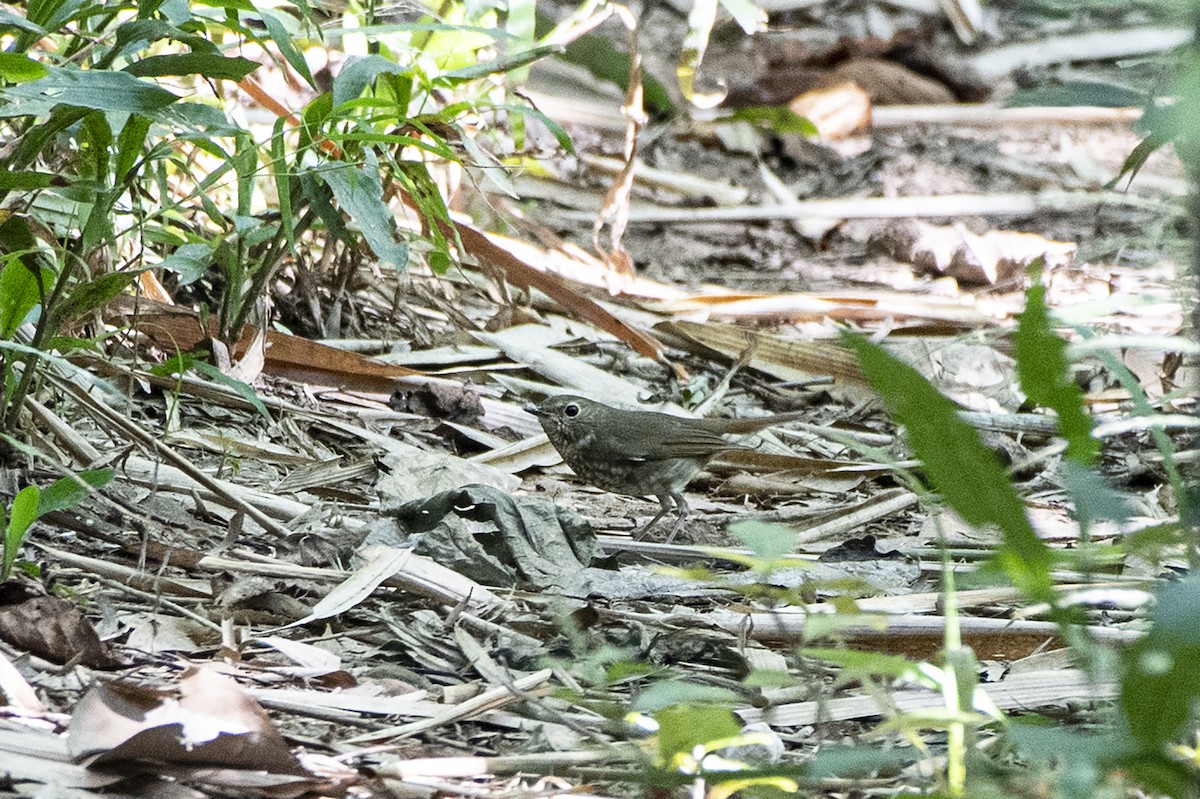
(399, 580)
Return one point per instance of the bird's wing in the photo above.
(644, 439)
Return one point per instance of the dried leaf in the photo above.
(995, 257)
(837, 111)
(209, 719)
(51, 628)
(179, 330)
(524, 275)
(786, 359)
(890, 83)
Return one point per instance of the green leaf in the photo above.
(316, 113)
(421, 187)
(1138, 156)
(1094, 498)
(285, 42)
(19, 293)
(29, 569)
(54, 14)
(499, 65)
(12, 346)
(681, 728)
(1161, 684)
(22, 514)
(867, 664)
(959, 466)
(1046, 375)
(840, 762)
(132, 35)
(563, 138)
(243, 390)
(360, 73)
(667, 693)
(245, 163)
(11, 22)
(16, 236)
(90, 295)
(768, 542)
(210, 65)
(129, 145)
(66, 492)
(320, 199)
(180, 364)
(776, 118)
(359, 193)
(92, 89)
(195, 121)
(29, 181)
(521, 22)
(283, 182)
(598, 55)
(1179, 121)
(1075, 93)
(1159, 775)
(96, 138)
(228, 5)
(1083, 758)
(20, 68)
(763, 678)
(69, 344)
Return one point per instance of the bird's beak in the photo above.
(536, 411)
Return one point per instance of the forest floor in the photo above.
(384, 572)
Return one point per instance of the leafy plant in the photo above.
(109, 174)
(1159, 688)
(960, 467)
(31, 503)
(17, 521)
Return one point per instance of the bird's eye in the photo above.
(571, 410)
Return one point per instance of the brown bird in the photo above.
(641, 453)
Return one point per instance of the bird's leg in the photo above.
(665, 501)
(682, 507)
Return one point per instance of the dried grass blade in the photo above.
(522, 274)
(787, 359)
(488, 700)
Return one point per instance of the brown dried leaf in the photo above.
(51, 628)
(858, 306)
(208, 721)
(522, 274)
(786, 359)
(995, 257)
(178, 329)
(837, 111)
(889, 83)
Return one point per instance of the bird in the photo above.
(641, 453)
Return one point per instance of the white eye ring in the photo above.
(571, 410)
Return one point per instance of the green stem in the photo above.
(46, 326)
